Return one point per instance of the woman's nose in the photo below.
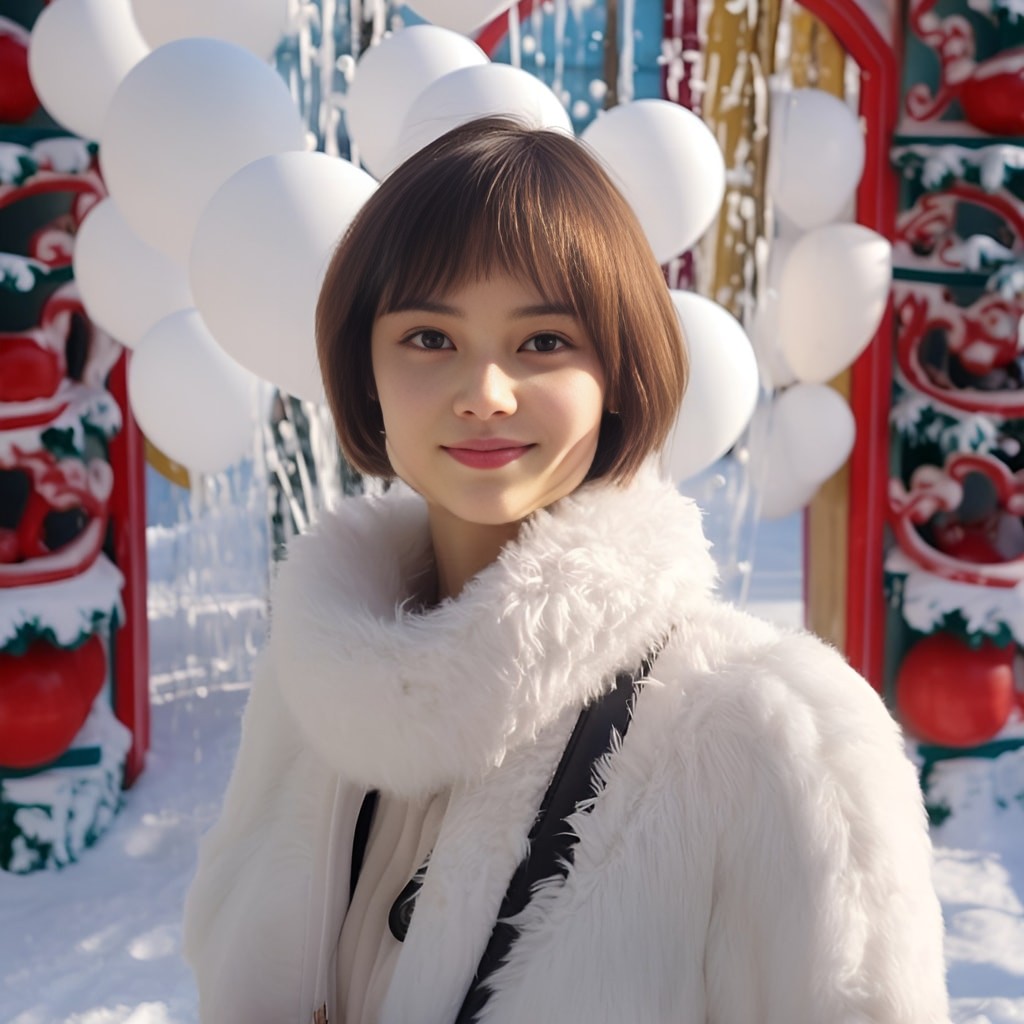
(486, 390)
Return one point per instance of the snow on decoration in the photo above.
(48, 819)
(1008, 281)
(64, 755)
(919, 420)
(936, 167)
(66, 615)
(980, 796)
(954, 574)
(930, 603)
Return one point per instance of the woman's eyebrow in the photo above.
(414, 305)
(543, 309)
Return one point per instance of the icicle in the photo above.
(307, 14)
(355, 20)
(627, 56)
(328, 113)
(515, 41)
(379, 20)
(557, 82)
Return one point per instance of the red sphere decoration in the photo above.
(955, 695)
(45, 697)
(27, 370)
(18, 100)
(993, 97)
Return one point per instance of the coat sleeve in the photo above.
(246, 911)
(823, 907)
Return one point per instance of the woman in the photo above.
(494, 332)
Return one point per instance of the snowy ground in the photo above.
(98, 943)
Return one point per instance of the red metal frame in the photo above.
(128, 520)
(877, 202)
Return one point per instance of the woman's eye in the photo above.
(545, 343)
(433, 340)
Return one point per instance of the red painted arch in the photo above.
(871, 384)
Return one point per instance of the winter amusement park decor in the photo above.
(955, 563)
(835, 191)
(73, 675)
(205, 259)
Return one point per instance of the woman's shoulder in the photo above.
(777, 696)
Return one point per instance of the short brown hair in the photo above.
(495, 195)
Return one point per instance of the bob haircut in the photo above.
(493, 195)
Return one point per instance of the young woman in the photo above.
(494, 332)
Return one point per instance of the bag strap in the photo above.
(361, 838)
(551, 843)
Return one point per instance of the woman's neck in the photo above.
(462, 549)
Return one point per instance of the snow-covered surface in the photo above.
(58, 813)
(99, 942)
(928, 599)
(65, 611)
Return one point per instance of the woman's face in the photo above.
(491, 399)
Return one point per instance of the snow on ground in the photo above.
(99, 942)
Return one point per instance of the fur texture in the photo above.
(758, 850)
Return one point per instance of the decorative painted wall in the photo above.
(955, 555)
(73, 674)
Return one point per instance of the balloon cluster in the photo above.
(828, 286)
(208, 254)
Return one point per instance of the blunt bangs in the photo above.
(504, 216)
(493, 196)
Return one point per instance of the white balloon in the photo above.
(389, 77)
(79, 52)
(255, 25)
(804, 436)
(764, 337)
(460, 15)
(817, 156)
(194, 402)
(473, 92)
(723, 388)
(125, 284)
(259, 256)
(668, 165)
(832, 296)
(182, 122)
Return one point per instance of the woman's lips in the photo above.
(488, 458)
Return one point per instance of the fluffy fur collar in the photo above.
(411, 702)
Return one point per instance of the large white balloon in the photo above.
(667, 164)
(256, 25)
(389, 77)
(474, 92)
(832, 296)
(260, 252)
(803, 437)
(79, 52)
(722, 391)
(182, 122)
(817, 156)
(191, 399)
(460, 15)
(125, 284)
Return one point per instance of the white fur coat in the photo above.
(758, 853)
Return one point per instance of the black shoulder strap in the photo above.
(361, 838)
(551, 844)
